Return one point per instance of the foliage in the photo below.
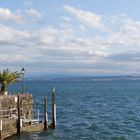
(7, 77)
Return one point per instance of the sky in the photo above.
(79, 37)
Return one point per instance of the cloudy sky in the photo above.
(89, 37)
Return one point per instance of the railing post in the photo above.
(53, 108)
(0, 122)
(18, 120)
(38, 115)
(45, 114)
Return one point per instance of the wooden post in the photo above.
(0, 121)
(45, 114)
(38, 115)
(53, 108)
(18, 120)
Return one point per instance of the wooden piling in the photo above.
(45, 114)
(18, 120)
(53, 108)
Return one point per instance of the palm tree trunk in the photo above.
(3, 89)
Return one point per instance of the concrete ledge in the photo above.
(34, 128)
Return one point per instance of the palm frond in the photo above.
(7, 77)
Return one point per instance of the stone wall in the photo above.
(9, 102)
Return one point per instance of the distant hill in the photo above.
(79, 78)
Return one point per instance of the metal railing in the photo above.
(9, 113)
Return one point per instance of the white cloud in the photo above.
(88, 18)
(46, 36)
(11, 36)
(67, 19)
(46, 44)
(7, 16)
(127, 36)
(12, 58)
(33, 13)
(131, 26)
(28, 3)
(76, 47)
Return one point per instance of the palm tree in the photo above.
(6, 78)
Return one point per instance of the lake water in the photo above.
(89, 108)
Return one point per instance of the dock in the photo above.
(17, 115)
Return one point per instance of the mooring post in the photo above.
(18, 120)
(0, 122)
(38, 115)
(53, 108)
(45, 114)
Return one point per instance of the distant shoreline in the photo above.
(93, 78)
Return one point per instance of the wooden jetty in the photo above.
(16, 115)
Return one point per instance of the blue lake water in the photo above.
(89, 108)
